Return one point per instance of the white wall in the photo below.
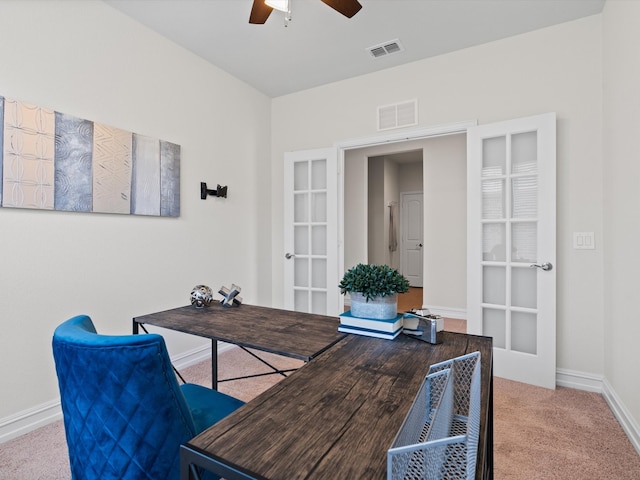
(411, 177)
(88, 60)
(375, 204)
(391, 197)
(554, 69)
(621, 172)
(445, 217)
(356, 201)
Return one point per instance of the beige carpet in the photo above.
(539, 434)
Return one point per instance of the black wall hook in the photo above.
(218, 192)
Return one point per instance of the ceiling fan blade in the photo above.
(348, 8)
(259, 12)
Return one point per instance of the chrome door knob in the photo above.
(546, 266)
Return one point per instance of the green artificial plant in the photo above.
(373, 281)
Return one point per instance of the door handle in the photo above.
(419, 245)
(289, 255)
(546, 266)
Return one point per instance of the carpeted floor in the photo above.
(539, 434)
(558, 434)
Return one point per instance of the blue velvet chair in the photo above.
(125, 415)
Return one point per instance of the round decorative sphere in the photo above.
(201, 296)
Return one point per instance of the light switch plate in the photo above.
(584, 240)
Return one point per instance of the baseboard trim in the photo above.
(622, 414)
(31, 419)
(459, 313)
(579, 380)
(598, 384)
(28, 420)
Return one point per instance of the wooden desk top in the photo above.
(291, 334)
(336, 416)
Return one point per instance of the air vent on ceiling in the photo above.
(386, 48)
(403, 114)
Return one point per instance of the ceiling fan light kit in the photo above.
(282, 5)
(261, 9)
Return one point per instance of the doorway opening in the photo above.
(381, 186)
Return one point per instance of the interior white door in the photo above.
(412, 238)
(511, 245)
(310, 231)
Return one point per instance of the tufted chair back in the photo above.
(125, 415)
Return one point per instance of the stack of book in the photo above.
(370, 327)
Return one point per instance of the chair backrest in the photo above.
(124, 414)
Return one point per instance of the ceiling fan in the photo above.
(261, 9)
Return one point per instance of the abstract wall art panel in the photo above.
(27, 163)
(51, 160)
(74, 168)
(1, 143)
(111, 169)
(145, 189)
(169, 179)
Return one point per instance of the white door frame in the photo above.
(383, 139)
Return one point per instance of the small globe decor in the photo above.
(373, 290)
(201, 296)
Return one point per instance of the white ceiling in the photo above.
(321, 46)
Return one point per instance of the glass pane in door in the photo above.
(319, 207)
(319, 302)
(300, 207)
(524, 289)
(319, 174)
(319, 275)
(524, 242)
(494, 281)
(301, 272)
(524, 152)
(494, 325)
(494, 156)
(301, 240)
(524, 197)
(493, 201)
(301, 300)
(523, 332)
(319, 240)
(494, 242)
(300, 176)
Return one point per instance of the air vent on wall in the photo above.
(386, 48)
(404, 114)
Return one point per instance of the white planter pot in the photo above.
(379, 308)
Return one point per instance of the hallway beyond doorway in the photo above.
(413, 299)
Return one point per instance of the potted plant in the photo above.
(374, 290)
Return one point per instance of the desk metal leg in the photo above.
(214, 364)
(190, 460)
(136, 330)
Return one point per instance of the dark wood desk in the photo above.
(283, 332)
(336, 416)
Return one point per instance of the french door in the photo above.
(310, 236)
(511, 245)
(511, 251)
